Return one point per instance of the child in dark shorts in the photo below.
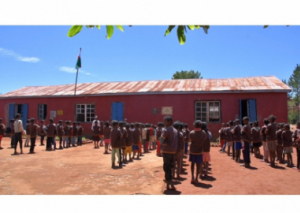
(256, 140)
(280, 143)
(288, 144)
(197, 137)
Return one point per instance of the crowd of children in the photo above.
(68, 134)
(170, 140)
(277, 141)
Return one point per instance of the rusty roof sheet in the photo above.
(229, 85)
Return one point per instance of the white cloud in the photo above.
(73, 70)
(18, 57)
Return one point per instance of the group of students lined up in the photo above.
(172, 143)
(277, 141)
(68, 134)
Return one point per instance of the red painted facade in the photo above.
(138, 108)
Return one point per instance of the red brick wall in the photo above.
(139, 107)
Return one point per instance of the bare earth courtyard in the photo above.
(84, 170)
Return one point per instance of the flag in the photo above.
(78, 63)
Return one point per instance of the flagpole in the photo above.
(76, 76)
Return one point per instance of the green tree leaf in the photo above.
(90, 26)
(75, 29)
(205, 28)
(120, 27)
(109, 31)
(98, 26)
(181, 35)
(197, 27)
(170, 28)
(191, 27)
(265, 26)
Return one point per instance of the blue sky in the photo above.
(44, 55)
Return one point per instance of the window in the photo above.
(42, 111)
(207, 111)
(85, 112)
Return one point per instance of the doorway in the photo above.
(248, 108)
(117, 111)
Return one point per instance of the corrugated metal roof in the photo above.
(229, 85)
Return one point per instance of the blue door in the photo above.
(11, 111)
(117, 111)
(252, 110)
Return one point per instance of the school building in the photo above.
(211, 100)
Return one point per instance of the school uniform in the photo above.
(169, 143)
(96, 131)
(197, 137)
(287, 142)
(264, 140)
(51, 136)
(144, 138)
(246, 138)
(32, 133)
(279, 142)
(271, 137)
(221, 137)
(136, 139)
(116, 137)
(255, 134)
(66, 141)
(224, 130)
(123, 141)
(70, 134)
(237, 137)
(106, 133)
(60, 133)
(79, 135)
(229, 136)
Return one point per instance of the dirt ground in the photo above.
(84, 170)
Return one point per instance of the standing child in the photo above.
(136, 140)
(96, 135)
(106, 133)
(158, 134)
(116, 137)
(255, 134)
(229, 137)
(74, 134)
(66, 135)
(197, 137)
(123, 140)
(236, 131)
(144, 136)
(33, 129)
(206, 148)
(271, 139)
(225, 129)
(12, 134)
(101, 133)
(79, 134)
(42, 132)
(222, 136)
(60, 133)
(287, 137)
(264, 139)
(246, 137)
(18, 127)
(296, 137)
(2, 131)
(187, 138)
(178, 154)
(169, 145)
(128, 141)
(27, 133)
(280, 143)
(51, 136)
